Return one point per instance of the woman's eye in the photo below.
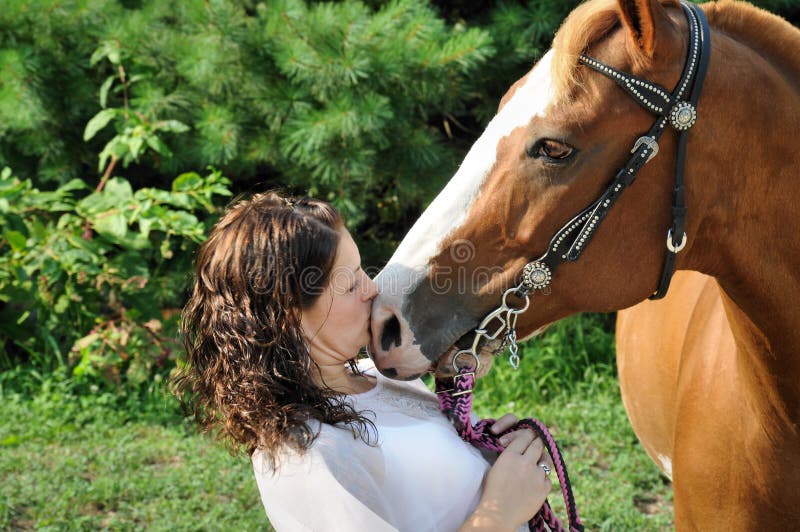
(551, 150)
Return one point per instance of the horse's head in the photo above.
(560, 134)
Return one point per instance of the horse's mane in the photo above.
(765, 32)
(587, 23)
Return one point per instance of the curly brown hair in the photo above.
(247, 374)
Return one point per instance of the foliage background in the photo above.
(127, 125)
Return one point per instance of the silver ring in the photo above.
(672, 247)
(546, 469)
(466, 352)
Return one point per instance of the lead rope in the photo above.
(456, 403)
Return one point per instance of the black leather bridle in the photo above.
(570, 241)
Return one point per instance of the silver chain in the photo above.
(513, 358)
(501, 320)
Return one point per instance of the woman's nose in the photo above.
(371, 290)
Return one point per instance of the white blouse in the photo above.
(420, 477)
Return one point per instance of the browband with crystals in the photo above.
(570, 241)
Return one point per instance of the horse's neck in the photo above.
(745, 195)
(766, 34)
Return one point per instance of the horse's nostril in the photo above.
(390, 372)
(391, 333)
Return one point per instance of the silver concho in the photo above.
(536, 275)
(682, 116)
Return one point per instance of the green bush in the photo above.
(92, 278)
(332, 99)
(87, 277)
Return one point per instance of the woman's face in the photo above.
(337, 324)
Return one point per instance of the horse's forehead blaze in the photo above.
(511, 91)
(449, 211)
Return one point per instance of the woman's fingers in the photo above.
(526, 443)
(504, 423)
(535, 449)
(520, 441)
(508, 438)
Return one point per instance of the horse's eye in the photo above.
(551, 150)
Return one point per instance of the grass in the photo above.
(74, 461)
(86, 465)
(616, 485)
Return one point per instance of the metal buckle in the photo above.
(650, 143)
(455, 380)
(459, 376)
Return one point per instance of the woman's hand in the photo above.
(515, 487)
(505, 423)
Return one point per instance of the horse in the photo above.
(710, 375)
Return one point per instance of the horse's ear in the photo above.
(644, 20)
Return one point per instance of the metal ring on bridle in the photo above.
(672, 247)
(466, 352)
(516, 292)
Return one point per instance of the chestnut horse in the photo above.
(711, 374)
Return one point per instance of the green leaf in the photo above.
(98, 122)
(97, 55)
(62, 304)
(73, 184)
(111, 224)
(183, 223)
(109, 49)
(165, 249)
(178, 199)
(187, 181)
(173, 125)
(95, 203)
(120, 189)
(104, 90)
(158, 146)
(16, 239)
(115, 146)
(135, 145)
(144, 226)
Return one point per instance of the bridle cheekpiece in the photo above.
(570, 241)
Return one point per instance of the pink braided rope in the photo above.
(458, 408)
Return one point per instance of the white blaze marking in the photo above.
(449, 210)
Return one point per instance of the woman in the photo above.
(279, 312)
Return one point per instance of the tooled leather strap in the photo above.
(677, 229)
(569, 242)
